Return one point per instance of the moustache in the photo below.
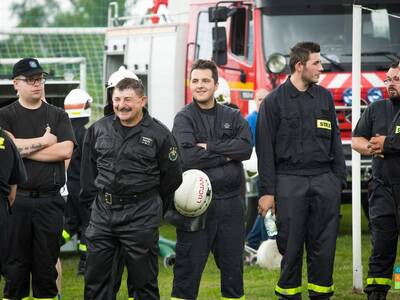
(124, 109)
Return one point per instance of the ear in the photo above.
(299, 66)
(144, 101)
(216, 87)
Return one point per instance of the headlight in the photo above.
(374, 94)
(348, 96)
(276, 63)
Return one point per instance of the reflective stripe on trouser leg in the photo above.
(82, 247)
(321, 289)
(379, 281)
(289, 291)
(66, 236)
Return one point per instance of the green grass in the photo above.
(259, 283)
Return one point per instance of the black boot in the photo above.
(82, 264)
(377, 296)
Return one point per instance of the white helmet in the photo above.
(223, 92)
(250, 165)
(77, 104)
(117, 76)
(268, 255)
(194, 194)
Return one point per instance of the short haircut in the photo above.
(204, 64)
(130, 83)
(395, 64)
(301, 53)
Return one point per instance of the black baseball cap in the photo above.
(27, 67)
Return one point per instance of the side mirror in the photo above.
(220, 53)
(218, 14)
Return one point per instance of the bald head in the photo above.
(393, 81)
(259, 97)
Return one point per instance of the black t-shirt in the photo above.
(12, 169)
(31, 123)
(376, 119)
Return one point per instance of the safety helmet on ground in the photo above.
(117, 76)
(194, 195)
(223, 92)
(77, 104)
(250, 165)
(268, 255)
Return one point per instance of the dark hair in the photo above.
(301, 53)
(130, 83)
(395, 64)
(204, 64)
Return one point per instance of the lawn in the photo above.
(259, 283)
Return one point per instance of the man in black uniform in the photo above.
(369, 139)
(130, 167)
(215, 139)
(77, 105)
(302, 170)
(44, 138)
(12, 172)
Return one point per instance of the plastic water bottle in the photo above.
(270, 225)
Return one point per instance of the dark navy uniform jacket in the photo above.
(297, 134)
(129, 161)
(376, 119)
(391, 151)
(228, 139)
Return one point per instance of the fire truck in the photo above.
(250, 42)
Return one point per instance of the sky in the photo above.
(5, 14)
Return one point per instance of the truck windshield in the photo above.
(331, 27)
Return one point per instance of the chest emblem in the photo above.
(2, 146)
(227, 126)
(146, 141)
(397, 130)
(173, 154)
(324, 124)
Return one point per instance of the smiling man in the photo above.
(213, 138)
(130, 168)
(302, 170)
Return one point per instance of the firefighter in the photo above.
(44, 138)
(130, 166)
(119, 258)
(12, 172)
(369, 139)
(214, 139)
(302, 170)
(77, 105)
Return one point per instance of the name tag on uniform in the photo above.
(146, 141)
(397, 130)
(324, 124)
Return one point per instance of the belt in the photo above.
(37, 193)
(112, 199)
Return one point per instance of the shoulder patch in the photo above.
(173, 154)
(397, 129)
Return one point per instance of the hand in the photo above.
(376, 143)
(202, 145)
(265, 203)
(49, 139)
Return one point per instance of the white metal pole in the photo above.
(355, 156)
(82, 75)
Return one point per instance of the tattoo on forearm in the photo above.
(28, 150)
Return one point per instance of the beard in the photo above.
(395, 98)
